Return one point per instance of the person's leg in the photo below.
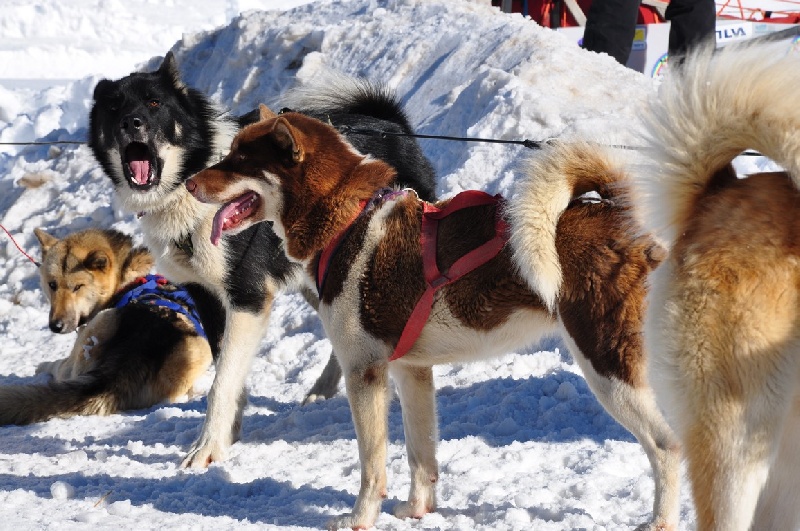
(610, 27)
(691, 22)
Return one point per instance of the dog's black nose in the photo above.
(57, 326)
(131, 123)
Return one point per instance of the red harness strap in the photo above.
(328, 252)
(325, 258)
(428, 240)
(433, 277)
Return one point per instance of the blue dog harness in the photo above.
(155, 290)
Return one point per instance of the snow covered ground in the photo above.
(524, 444)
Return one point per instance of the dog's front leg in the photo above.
(227, 398)
(327, 384)
(88, 347)
(368, 393)
(418, 403)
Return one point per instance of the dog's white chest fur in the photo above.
(186, 218)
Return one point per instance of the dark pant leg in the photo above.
(610, 27)
(691, 22)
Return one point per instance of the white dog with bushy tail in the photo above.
(723, 325)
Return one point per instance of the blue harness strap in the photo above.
(155, 290)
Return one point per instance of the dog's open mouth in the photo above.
(140, 166)
(233, 214)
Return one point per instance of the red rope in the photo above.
(751, 13)
(37, 264)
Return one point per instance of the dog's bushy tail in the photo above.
(333, 92)
(26, 404)
(707, 112)
(555, 177)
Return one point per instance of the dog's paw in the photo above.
(348, 521)
(203, 453)
(327, 385)
(411, 510)
(43, 367)
(312, 398)
(656, 526)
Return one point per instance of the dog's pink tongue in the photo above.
(140, 169)
(219, 222)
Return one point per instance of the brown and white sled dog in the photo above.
(723, 325)
(127, 357)
(571, 263)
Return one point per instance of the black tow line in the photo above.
(530, 144)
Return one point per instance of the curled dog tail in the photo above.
(333, 92)
(707, 112)
(85, 395)
(560, 173)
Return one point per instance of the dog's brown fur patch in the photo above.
(385, 303)
(605, 267)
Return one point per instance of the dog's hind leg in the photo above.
(327, 385)
(742, 460)
(635, 408)
(188, 359)
(368, 393)
(418, 403)
(227, 397)
(778, 506)
(731, 418)
(728, 463)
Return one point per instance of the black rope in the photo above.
(530, 144)
(43, 143)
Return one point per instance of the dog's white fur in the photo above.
(704, 115)
(544, 199)
(725, 354)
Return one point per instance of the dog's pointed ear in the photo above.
(96, 261)
(138, 264)
(169, 70)
(103, 87)
(265, 113)
(287, 139)
(46, 241)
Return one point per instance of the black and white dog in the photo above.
(151, 132)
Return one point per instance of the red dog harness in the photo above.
(434, 278)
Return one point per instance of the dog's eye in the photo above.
(52, 284)
(77, 288)
(153, 104)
